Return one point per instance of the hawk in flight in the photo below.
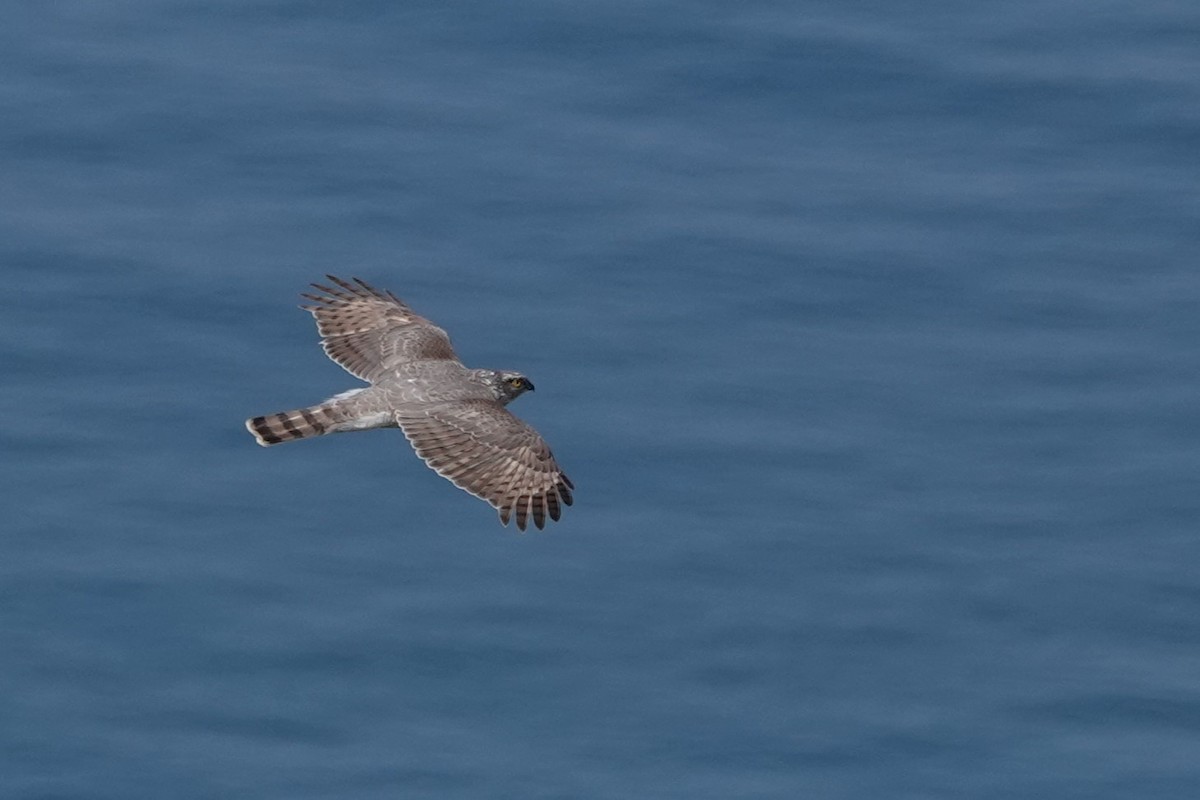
(454, 417)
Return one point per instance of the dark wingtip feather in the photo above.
(329, 290)
(349, 287)
(369, 288)
(522, 511)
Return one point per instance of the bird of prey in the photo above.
(454, 417)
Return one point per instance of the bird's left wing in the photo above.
(368, 331)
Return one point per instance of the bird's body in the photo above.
(454, 417)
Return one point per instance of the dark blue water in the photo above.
(868, 332)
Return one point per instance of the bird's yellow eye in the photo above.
(516, 383)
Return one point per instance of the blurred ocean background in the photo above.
(869, 333)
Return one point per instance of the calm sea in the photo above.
(869, 333)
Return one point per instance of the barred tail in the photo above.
(299, 424)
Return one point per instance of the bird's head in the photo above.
(510, 385)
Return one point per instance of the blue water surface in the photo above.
(868, 332)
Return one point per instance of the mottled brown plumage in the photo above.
(454, 417)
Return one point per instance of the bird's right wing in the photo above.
(482, 448)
